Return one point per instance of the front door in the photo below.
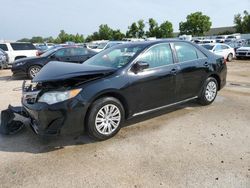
(155, 86)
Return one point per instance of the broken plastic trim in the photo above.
(13, 120)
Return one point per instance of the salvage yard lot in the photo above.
(185, 146)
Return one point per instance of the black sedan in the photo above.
(117, 84)
(32, 65)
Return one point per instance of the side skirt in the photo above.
(162, 107)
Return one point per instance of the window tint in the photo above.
(4, 47)
(218, 48)
(187, 52)
(22, 46)
(61, 53)
(200, 54)
(158, 55)
(224, 47)
(207, 46)
(80, 51)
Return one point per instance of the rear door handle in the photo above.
(174, 71)
(206, 64)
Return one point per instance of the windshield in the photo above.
(208, 47)
(116, 57)
(102, 45)
(220, 37)
(247, 44)
(231, 37)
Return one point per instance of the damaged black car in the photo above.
(117, 84)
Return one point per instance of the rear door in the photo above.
(193, 66)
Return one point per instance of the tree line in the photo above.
(196, 24)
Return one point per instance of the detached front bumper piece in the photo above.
(13, 120)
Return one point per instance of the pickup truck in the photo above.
(18, 50)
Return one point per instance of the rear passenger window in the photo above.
(224, 47)
(187, 52)
(4, 47)
(22, 46)
(80, 51)
(158, 55)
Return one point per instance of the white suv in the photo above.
(18, 50)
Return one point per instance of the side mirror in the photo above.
(140, 65)
(53, 56)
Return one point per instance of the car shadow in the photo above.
(27, 141)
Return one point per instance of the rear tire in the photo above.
(209, 92)
(33, 70)
(105, 118)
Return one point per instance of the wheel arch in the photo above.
(217, 78)
(110, 93)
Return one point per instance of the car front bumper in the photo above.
(18, 70)
(243, 54)
(63, 118)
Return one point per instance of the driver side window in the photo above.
(157, 56)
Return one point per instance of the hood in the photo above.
(55, 71)
(29, 59)
(244, 48)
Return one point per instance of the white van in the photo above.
(18, 50)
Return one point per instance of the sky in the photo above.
(27, 18)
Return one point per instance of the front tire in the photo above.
(209, 92)
(105, 118)
(33, 70)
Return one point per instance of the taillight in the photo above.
(225, 61)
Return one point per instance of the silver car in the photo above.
(3, 59)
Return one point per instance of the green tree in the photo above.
(242, 23)
(24, 40)
(141, 26)
(37, 39)
(118, 35)
(165, 30)
(153, 28)
(197, 24)
(136, 30)
(49, 40)
(132, 31)
(105, 32)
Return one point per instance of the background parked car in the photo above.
(3, 60)
(220, 39)
(106, 45)
(31, 66)
(18, 50)
(237, 44)
(221, 49)
(244, 51)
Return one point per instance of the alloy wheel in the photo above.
(108, 119)
(211, 91)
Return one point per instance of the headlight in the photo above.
(19, 63)
(58, 96)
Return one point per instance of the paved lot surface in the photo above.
(186, 146)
